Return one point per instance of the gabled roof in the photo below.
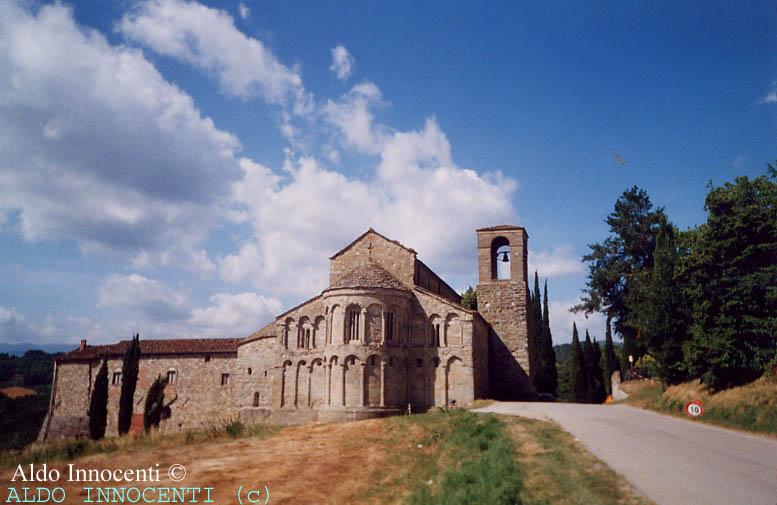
(368, 276)
(502, 227)
(156, 347)
(371, 230)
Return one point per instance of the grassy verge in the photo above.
(558, 471)
(464, 458)
(68, 450)
(752, 407)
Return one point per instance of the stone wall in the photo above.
(396, 259)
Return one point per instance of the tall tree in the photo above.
(469, 300)
(611, 363)
(659, 310)
(577, 369)
(598, 392)
(547, 378)
(98, 404)
(155, 402)
(614, 264)
(588, 361)
(535, 328)
(129, 381)
(733, 281)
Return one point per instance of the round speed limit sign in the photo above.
(694, 409)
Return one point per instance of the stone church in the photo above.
(386, 337)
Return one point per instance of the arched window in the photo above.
(500, 258)
(353, 323)
(172, 376)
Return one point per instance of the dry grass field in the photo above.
(440, 457)
(752, 407)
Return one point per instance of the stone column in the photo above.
(382, 383)
(363, 327)
(328, 384)
(383, 331)
(343, 383)
(362, 366)
(296, 386)
(310, 384)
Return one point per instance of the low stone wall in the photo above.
(290, 417)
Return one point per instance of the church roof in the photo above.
(370, 230)
(368, 276)
(156, 347)
(502, 227)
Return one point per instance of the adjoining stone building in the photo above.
(388, 335)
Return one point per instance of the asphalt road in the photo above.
(671, 461)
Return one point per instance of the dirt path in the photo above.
(310, 464)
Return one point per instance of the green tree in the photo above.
(658, 308)
(469, 300)
(598, 392)
(155, 402)
(588, 358)
(611, 363)
(129, 380)
(732, 267)
(577, 370)
(614, 264)
(546, 380)
(98, 404)
(535, 328)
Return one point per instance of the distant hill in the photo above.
(20, 349)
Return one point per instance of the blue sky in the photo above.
(185, 169)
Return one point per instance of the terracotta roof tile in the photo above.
(368, 276)
(160, 346)
(501, 227)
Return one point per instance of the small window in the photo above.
(437, 335)
(256, 399)
(207, 358)
(224, 379)
(172, 376)
(250, 371)
(265, 373)
(116, 379)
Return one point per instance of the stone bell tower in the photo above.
(503, 302)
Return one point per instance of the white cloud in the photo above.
(556, 263)
(342, 62)
(234, 314)
(207, 38)
(157, 309)
(561, 322)
(771, 94)
(154, 300)
(244, 11)
(15, 328)
(61, 164)
(299, 222)
(352, 117)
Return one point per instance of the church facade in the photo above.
(387, 336)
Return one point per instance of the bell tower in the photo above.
(503, 302)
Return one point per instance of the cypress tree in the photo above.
(599, 394)
(610, 359)
(588, 358)
(129, 380)
(578, 368)
(155, 400)
(535, 327)
(98, 404)
(547, 378)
